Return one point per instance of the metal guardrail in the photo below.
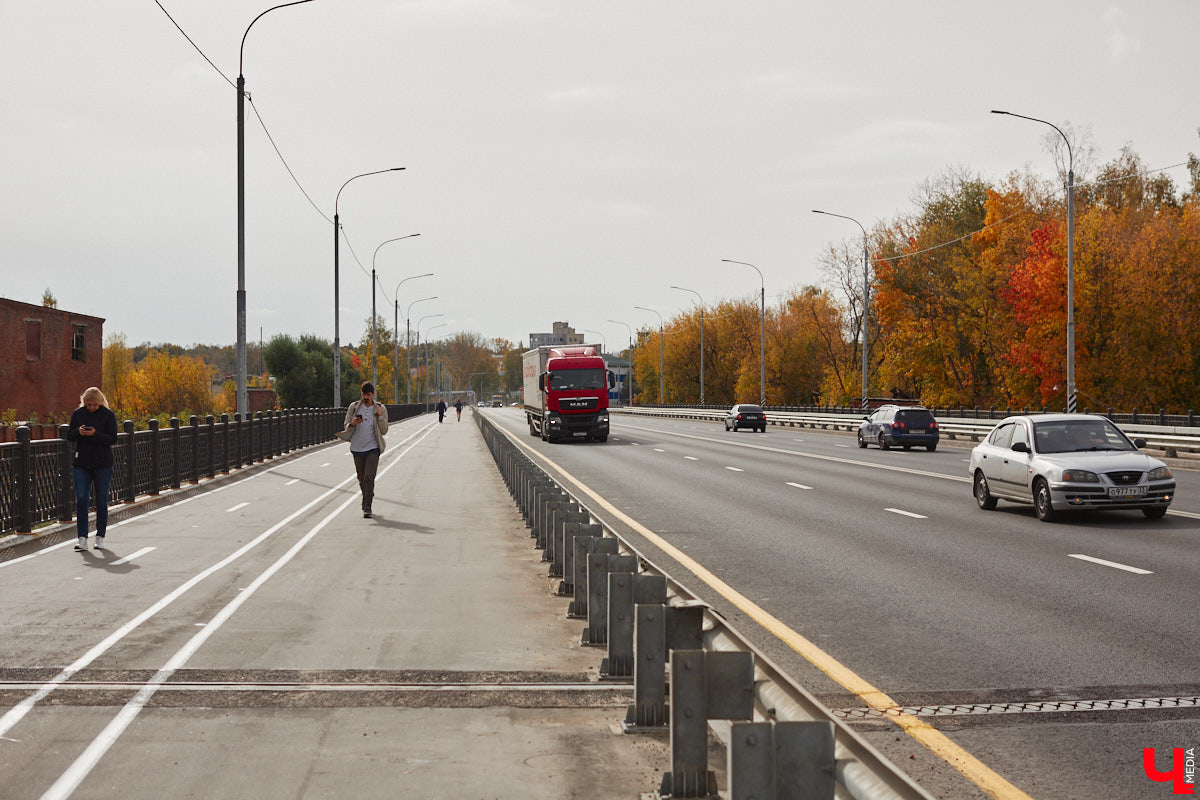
(1171, 440)
(36, 477)
(780, 734)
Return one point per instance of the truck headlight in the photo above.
(602, 418)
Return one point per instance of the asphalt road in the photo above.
(883, 561)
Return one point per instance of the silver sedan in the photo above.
(1064, 462)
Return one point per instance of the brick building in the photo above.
(47, 358)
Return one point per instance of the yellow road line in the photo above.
(934, 740)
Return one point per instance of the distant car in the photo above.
(899, 426)
(483, 404)
(1065, 462)
(745, 415)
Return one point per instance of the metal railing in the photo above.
(36, 476)
(646, 619)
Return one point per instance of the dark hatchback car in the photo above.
(899, 426)
(745, 415)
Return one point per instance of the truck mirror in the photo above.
(542, 382)
(612, 380)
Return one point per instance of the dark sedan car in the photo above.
(899, 426)
(744, 415)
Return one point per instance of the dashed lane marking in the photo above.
(1113, 564)
(798, 485)
(235, 508)
(902, 512)
(132, 556)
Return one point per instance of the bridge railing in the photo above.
(36, 476)
(777, 734)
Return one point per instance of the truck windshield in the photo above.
(568, 379)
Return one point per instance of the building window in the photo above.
(78, 351)
(33, 340)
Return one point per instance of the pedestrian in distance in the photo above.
(458, 409)
(441, 409)
(93, 431)
(366, 422)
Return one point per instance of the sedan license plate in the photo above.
(1126, 491)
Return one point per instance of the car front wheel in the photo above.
(1156, 512)
(982, 496)
(1042, 505)
(861, 441)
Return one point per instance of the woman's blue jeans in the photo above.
(85, 480)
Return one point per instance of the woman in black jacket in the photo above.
(93, 430)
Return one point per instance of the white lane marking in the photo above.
(838, 459)
(326, 464)
(636, 444)
(49, 549)
(1113, 564)
(293, 480)
(18, 712)
(691, 458)
(798, 485)
(659, 450)
(75, 774)
(841, 445)
(132, 556)
(235, 508)
(735, 469)
(906, 513)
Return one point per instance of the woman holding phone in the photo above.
(93, 431)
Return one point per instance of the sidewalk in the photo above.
(503, 627)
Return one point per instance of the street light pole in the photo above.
(408, 346)
(337, 342)
(693, 291)
(396, 339)
(629, 376)
(243, 405)
(1071, 394)
(374, 342)
(427, 332)
(762, 331)
(661, 400)
(866, 300)
(426, 381)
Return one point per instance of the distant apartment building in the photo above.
(563, 334)
(47, 358)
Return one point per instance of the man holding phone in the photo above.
(367, 421)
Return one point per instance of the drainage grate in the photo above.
(1038, 707)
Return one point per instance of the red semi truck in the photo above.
(566, 392)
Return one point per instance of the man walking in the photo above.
(441, 409)
(366, 443)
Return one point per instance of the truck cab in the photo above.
(570, 396)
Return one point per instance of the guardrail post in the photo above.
(552, 518)
(599, 567)
(23, 518)
(587, 542)
(176, 435)
(66, 476)
(130, 487)
(155, 458)
(781, 761)
(704, 686)
(571, 515)
(626, 591)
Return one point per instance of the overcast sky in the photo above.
(564, 160)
